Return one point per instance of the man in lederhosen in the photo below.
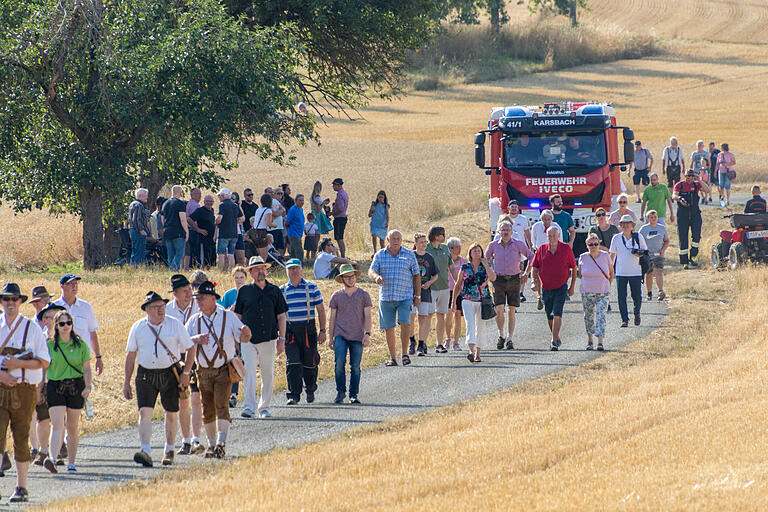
(301, 355)
(182, 307)
(19, 377)
(222, 330)
(155, 342)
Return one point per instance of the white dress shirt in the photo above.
(199, 324)
(182, 315)
(35, 342)
(151, 354)
(539, 233)
(83, 318)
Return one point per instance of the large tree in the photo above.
(93, 93)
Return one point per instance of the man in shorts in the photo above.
(339, 213)
(657, 240)
(440, 290)
(506, 255)
(657, 197)
(550, 269)
(396, 271)
(426, 308)
(156, 342)
(642, 165)
(700, 164)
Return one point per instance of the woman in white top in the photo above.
(626, 248)
(262, 222)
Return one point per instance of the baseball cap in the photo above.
(68, 278)
(224, 192)
(637, 143)
(293, 262)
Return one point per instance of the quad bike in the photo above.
(748, 241)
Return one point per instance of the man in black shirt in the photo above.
(262, 307)
(713, 152)
(205, 221)
(757, 203)
(287, 201)
(249, 209)
(175, 228)
(227, 219)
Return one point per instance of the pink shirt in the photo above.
(506, 258)
(615, 216)
(723, 161)
(451, 281)
(592, 279)
(341, 204)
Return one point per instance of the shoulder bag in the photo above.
(601, 268)
(176, 367)
(645, 257)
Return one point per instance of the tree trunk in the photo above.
(572, 13)
(153, 180)
(494, 9)
(93, 229)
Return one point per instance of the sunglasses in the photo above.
(66, 322)
(593, 245)
(278, 193)
(248, 195)
(11, 299)
(622, 202)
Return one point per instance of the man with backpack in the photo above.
(674, 161)
(686, 194)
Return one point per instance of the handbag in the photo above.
(731, 174)
(487, 308)
(645, 257)
(236, 369)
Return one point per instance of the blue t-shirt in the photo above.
(565, 221)
(295, 222)
(228, 299)
(302, 300)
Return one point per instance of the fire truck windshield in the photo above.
(578, 150)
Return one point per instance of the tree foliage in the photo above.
(93, 94)
(565, 7)
(469, 11)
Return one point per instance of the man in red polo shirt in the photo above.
(550, 268)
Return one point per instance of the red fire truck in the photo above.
(570, 149)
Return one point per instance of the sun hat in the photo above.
(179, 281)
(68, 278)
(12, 290)
(38, 293)
(257, 261)
(626, 218)
(152, 297)
(49, 307)
(346, 269)
(207, 288)
(293, 262)
(224, 192)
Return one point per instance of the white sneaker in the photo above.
(264, 413)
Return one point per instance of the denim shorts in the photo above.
(226, 245)
(723, 181)
(554, 300)
(393, 312)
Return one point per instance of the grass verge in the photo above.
(472, 54)
(673, 421)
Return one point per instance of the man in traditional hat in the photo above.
(40, 298)
(85, 323)
(349, 330)
(156, 342)
(222, 330)
(182, 308)
(19, 378)
(301, 355)
(261, 306)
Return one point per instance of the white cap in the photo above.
(224, 192)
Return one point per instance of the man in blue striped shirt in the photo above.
(302, 358)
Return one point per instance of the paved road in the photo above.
(433, 381)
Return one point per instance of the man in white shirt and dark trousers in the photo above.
(19, 377)
(221, 329)
(182, 307)
(673, 162)
(156, 342)
(301, 355)
(85, 323)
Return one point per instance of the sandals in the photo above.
(406, 360)
(590, 346)
(391, 362)
(600, 347)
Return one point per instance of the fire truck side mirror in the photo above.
(629, 152)
(628, 134)
(480, 150)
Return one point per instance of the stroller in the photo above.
(155, 252)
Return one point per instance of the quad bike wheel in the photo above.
(720, 254)
(737, 256)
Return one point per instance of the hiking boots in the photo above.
(219, 452)
(197, 448)
(509, 345)
(422, 350)
(412, 346)
(168, 458)
(500, 343)
(20, 495)
(143, 458)
(185, 449)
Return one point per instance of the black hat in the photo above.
(49, 307)
(337, 181)
(39, 292)
(179, 281)
(513, 201)
(637, 143)
(12, 290)
(152, 297)
(207, 288)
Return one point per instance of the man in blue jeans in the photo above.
(175, 228)
(229, 216)
(349, 330)
(138, 225)
(396, 270)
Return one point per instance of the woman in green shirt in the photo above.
(69, 384)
